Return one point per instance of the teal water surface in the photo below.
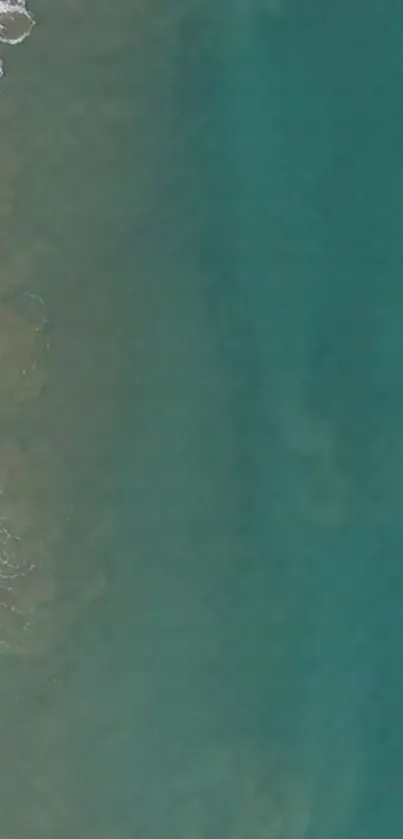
(200, 225)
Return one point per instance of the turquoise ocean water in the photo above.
(201, 452)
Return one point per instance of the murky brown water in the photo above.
(66, 313)
(68, 146)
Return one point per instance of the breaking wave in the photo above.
(16, 23)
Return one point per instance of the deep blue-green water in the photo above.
(201, 453)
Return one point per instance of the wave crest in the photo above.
(16, 22)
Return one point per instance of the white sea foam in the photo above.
(16, 21)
